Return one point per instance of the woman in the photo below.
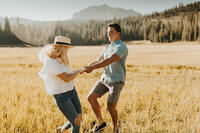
(59, 81)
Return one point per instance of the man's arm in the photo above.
(103, 63)
(100, 58)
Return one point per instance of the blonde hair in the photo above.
(56, 52)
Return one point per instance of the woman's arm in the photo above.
(102, 63)
(68, 77)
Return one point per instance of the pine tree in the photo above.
(7, 26)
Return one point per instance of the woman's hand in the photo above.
(82, 70)
(78, 119)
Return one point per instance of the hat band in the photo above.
(63, 43)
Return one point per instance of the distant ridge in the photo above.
(104, 12)
(13, 20)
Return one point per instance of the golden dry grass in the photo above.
(162, 92)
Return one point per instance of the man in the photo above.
(113, 59)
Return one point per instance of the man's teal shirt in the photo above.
(116, 71)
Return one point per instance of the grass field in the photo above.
(162, 91)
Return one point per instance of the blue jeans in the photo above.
(69, 105)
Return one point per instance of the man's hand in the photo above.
(82, 70)
(78, 119)
(89, 69)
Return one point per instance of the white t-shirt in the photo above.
(53, 84)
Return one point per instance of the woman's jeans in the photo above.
(70, 106)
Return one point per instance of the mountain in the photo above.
(103, 12)
(13, 20)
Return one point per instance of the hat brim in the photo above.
(63, 45)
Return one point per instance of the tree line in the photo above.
(176, 28)
(177, 24)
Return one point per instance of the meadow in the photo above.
(161, 94)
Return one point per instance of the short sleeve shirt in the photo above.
(53, 84)
(116, 71)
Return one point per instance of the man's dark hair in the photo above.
(116, 26)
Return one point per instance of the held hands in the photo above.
(81, 70)
(87, 69)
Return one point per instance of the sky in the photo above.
(52, 10)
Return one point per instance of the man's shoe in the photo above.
(100, 127)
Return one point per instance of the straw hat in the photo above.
(63, 41)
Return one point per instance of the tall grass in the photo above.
(160, 96)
